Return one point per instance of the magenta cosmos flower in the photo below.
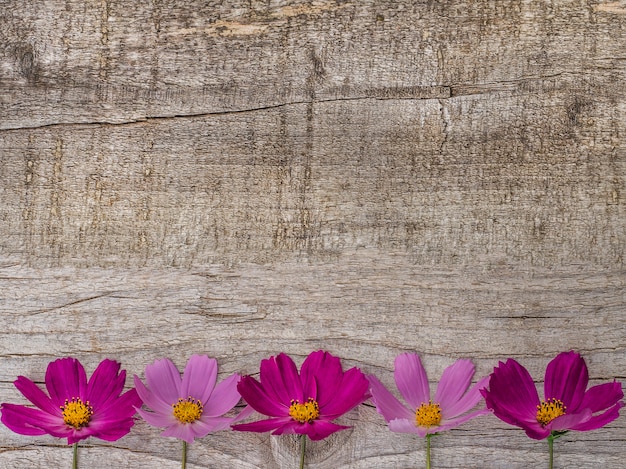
(568, 404)
(303, 403)
(191, 407)
(448, 409)
(75, 408)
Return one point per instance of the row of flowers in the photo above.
(307, 401)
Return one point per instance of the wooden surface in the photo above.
(244, 178)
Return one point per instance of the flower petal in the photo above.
(26, 420)
(454, 382)
(386, 403)
(351, 392)
(206, 425)
(261, 426)
(158, 419)
(273, 383)
(66, 379)
(183, 431)
(411, 379)
(105, 383)
(223, 398)
(566, 379)
(448, 424)
(151, 400)
(599, 421)
(34, 394)
(467, 402)
(403, 426)
(317, 430)
(602, 396)
(290, 376)
(320, 373)
(163, 379)
(566, 421)
(199, 377)
(254, 394)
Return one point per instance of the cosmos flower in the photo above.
(425, 416)
(567, 403)
(303, 403)
(75, 408)
(191, 407)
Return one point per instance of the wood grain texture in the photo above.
(244, 178)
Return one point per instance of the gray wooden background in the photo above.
(245, 177)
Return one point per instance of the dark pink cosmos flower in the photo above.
(192, 406)
(425, 416)
(568, 404)
(303, 403)
(75, 408)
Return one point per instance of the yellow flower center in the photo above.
(548, 410)
(76, 413)
(187, 410)
(306, 412)
(428, 415)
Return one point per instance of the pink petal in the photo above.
(404, 426)
(35, 395)
(411, 379)
(163, 379)
(454, 382)
(151, 400)
(261, 426)
(448, 424)
(66, 379)
(386, 403)
(199, 378)
(158, 419)
(205, 425)
(467, 402)
(599, 421)
(566, 379)
(565, 422)
(105, 383)
(351, 392)
(182, 431)
(224, 397)
(602, 396)
(254, 394)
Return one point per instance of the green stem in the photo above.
(428, 437)
(550, 451)
(184, 457)
(75, 456)
(302, 450)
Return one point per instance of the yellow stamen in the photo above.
(548, 410)
(428, 415)
(187, 410)
(76, 413)
(306, 412)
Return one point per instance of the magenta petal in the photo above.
(261, 426)
(105, 383)
(512, 391)
(599, 421)
(254, 394)
(25, 420)
(471, 398)
(565, 422)
(273, 382)
(320, 429)
(290, 376)
(66, 379)
(352, 392)
(199, 377)
(454, 382)
(223, 398)
(386, 403)
(328, 375)
(163, 379)
(602, 396)
(35, 395)
(566, 379)
(411, 379)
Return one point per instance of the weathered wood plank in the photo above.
(244, 178)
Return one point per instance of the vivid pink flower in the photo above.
(191, 407)
(568, 404)
(448, 409)
(303, 403)
(75, 408)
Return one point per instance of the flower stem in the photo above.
(75, 456)
(184, 457)
(428, 437)
(550, 451)
(302, 450)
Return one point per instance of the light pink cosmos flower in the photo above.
(448, 409)
(191, 407)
